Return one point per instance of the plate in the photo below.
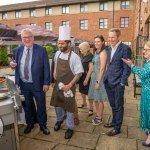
(3, 95)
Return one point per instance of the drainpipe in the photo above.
(113, 13)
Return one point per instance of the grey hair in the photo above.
(85, 46)
(116, 30)
(27, 30)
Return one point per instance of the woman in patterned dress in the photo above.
(144, 75)
(97, 92)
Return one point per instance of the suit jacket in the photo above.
(40, 67)
(117, 71)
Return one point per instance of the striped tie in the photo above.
(26, 65)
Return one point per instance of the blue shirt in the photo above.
(22, 63)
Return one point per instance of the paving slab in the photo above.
(84, 140)
(67, 147)
(32, 144)
(130, 121)
(84, 127)
(115, 143)
(132, 113)
(136, 133)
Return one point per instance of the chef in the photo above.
(68, 70)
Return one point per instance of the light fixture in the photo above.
(145, 1)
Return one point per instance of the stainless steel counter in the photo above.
(7, 111)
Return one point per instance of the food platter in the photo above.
(3, 96)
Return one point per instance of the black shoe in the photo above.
(28, 129)
(68, 134)
(145, 144)
(45, 130)
(58, 125)
(146, 132)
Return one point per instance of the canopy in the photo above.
(40, 33)
(7, 33)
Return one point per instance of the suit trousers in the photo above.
(27, 89)
(116, 100)
(69, 117)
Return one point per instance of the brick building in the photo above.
(142, 27)
(87, 18)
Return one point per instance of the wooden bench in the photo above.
(136, 85)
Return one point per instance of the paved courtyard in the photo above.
(87, 136)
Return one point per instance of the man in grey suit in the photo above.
(115, 78)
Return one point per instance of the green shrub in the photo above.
(3, 56)
(50, 50)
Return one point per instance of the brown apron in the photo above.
(64, 75)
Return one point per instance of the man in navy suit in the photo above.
(115, 78)
(32, 74)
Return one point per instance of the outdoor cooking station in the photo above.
(10, 102)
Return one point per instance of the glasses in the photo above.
(146, 50)
(27, 37)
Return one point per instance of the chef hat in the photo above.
(64, 33)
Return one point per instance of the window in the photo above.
(33, 24)
(127, 43)
(65, 9)
(48, 26)
(83, 8)
(103, 23)
(65, 23)
(83, 24)
(32, 12)
(18, 14)
(103, 6)
(4, 15)
(125, 4)
(124, 22)
(48, 11)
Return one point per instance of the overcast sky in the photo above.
(6, 2)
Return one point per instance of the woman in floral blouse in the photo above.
(144, 75)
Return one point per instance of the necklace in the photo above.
(98, 51)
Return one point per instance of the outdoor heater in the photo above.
(10, 103)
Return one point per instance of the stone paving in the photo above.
(87, 136)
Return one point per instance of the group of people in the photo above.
(102, 77)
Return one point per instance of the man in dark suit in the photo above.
(32, 74)
(115, 78)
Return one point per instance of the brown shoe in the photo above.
(76, 121)
(108, 125)
(112, 133)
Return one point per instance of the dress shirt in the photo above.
(113, 50)
(22, 63)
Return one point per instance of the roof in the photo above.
(43, 3)
(6, 33)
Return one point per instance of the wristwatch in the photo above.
(97, 82)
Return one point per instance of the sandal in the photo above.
(96, 121)
(90, 112)
(82, 106)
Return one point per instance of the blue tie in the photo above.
(26, 65)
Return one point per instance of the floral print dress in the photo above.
(144, 75)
